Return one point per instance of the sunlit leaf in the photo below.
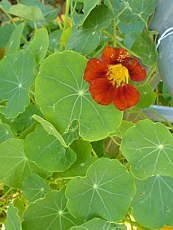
(106, 191)
(88, 6)
(49, 213)
(63, 97)
(32, 13)
(17, 75)
(13, 221)
(154, 197)
(34, 187)
(47, 152)
(148, 148)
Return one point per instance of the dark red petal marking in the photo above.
(102, 91)
(126, 96)
(95, 69)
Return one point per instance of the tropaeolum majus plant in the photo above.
(77, 149)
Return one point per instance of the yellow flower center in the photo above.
(118, 75)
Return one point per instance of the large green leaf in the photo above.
(87, 38)
(106, 191)
(34, 187)
(63, 97)
(12, 221)
(49, 213)
(15, 167)
(39, 45)
(13, 44)
(5, 132)
(5, 31)
(99, 224)
(17, 75)
(148, 148)
(32, 13)
(152, 205)
(47, 152)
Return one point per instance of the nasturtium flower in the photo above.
(110, 77)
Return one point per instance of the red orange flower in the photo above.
(109, 78)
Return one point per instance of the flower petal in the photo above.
(136, 71)
(112, 55)
(102, 91)
(95, 69)
(126, 96)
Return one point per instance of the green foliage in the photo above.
(68, 162)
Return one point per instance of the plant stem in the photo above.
(114, 24)
(94, 153)
(67, 8)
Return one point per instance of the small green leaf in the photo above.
(154, 198)
(84, 160)
(147, 96)
(49, 213)
(12, 221)
(17, 75)
(99, 224)
(50, 129)
(31, 13)
(87, 38)
(34, 187)
(39, 44)
(47, 152)
(106, 191)
(148, 148)
(13, 44)
(146, 43)
(63, 97)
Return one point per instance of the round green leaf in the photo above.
(147, 96)
(17, 75)
(152, 205)
(63, 97)
(148, 148)
(99, 224)
(47, 152)
(34, 187)
(106, 191)
(49, 213)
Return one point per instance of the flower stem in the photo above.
(94, 153)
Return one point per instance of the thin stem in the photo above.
(114, 24)
(135, 224)
(107, 33)
(35, 25)
(114, 141)
(94, 153)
